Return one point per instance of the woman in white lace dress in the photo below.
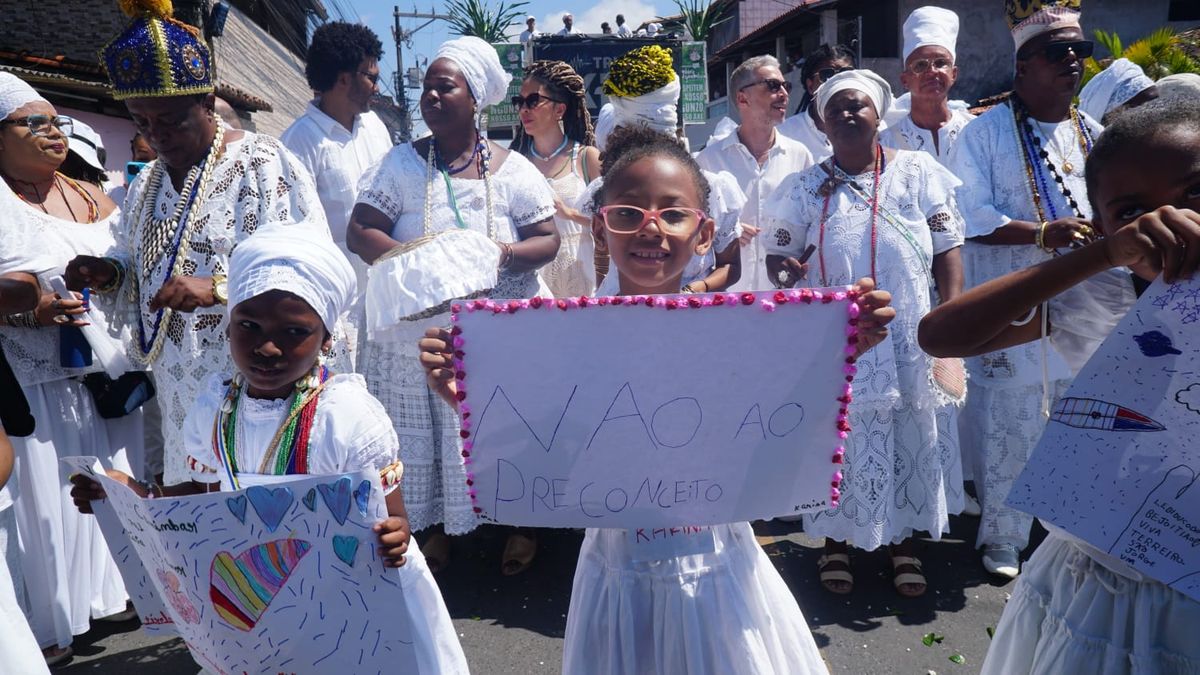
(556, 136)
(69, 575)
(889, 215)
(454, 178)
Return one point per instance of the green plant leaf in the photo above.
(958, 658)
(476, 17)
(931, 638)
(991, 632)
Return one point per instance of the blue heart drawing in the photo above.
(237, 506)
(271, 504)
(337, 498)
(345, 547)
(361, 496)
(310, 499)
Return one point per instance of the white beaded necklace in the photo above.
(427, 223)
(157, 235)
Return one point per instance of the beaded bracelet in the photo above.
(506, 258)
(118, 276)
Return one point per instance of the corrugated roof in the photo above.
(771, 26)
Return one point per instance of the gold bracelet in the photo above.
(1040, 237)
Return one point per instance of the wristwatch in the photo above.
(220, 289)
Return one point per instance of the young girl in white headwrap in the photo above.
(288, 286)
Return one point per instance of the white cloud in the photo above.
(635, 12)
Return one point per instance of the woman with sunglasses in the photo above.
(805, 126)
(890, 215)
(556, 136)
(69, 576)
(496, 208)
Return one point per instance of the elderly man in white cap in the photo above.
(1024, 198)
(531, 30)
(757, 156)
(569, 26)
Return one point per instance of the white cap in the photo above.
(930, 26)
(85, 142)
(530, 18)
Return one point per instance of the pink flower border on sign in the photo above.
(767, 300)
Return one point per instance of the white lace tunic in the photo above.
(256, 181)
(906, 135)
(435, 488)
(897, 480)
(572, 273)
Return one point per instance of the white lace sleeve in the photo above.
(381, 187)
(786, 216)
(289, 196)
(202, 462)
(939, 204)
(530, 198)
(970, 163)
(725, 200)
(361, 431)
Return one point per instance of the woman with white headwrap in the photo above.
(69, 576)
(283, 412)
(449, 215)
(890, 215)
(1119, 86)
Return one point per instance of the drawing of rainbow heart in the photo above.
(1090, 413)
(244, 585)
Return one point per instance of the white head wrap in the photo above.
(930, 26)
(14, 93)
(480, 66)
(1044, 21)
(1120, 81)
(656, 110)
(875, 87)
(299, 259)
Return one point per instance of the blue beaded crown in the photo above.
(157, 56)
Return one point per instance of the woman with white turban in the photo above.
(1119, 86)
(890, 215)
(460, 215)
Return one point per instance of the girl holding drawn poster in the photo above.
(708, 602)
(284, 413)
(1076, 609)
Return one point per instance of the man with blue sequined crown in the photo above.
(1024, 199)
(209, 189)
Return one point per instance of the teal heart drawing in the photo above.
(271, 504)
(345, 547)
(361, 496)
(337, 498)
(310, 499)
(237, 506)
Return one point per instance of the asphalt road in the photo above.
(515, 625)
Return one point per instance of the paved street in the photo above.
(515, 626)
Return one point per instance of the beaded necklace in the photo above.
(287, 452)
(484, 155)
(59, 178)
(1036, 157)
(557, 151)
(155, 240)
(828, 188)
(452, 170)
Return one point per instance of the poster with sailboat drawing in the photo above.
(1119, 461)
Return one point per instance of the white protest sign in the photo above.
(1118, 463)
(653, 412)
(273, 579)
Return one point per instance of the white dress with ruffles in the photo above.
(435, 482)
(897, 479)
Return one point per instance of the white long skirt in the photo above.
(725, 612)
(18, 650)
(70, 577)
(897, 480)
(1070, 615)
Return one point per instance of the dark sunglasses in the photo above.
(1056, 52)
(531, 101)
(772, 85)
(826, 73)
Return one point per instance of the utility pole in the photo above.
(403, 37)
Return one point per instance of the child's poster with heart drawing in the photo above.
(276, 578)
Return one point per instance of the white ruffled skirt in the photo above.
(1070, 615)
(726, 612)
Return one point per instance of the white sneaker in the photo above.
(970, 506)
(1002, 560)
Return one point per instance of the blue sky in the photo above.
(378, 15)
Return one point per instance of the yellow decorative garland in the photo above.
(640, 72)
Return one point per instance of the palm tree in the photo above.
(475, 17)
(700, 18)
(1159, 54)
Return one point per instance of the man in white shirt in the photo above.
(338, 138)
(758, 156)
(569, 26)
(530, 31)
(622, 29)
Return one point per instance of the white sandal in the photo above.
(835, 575)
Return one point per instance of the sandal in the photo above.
(56, 656)
(436, 549)
(518, 552)
(831, 577)
(908, 579)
